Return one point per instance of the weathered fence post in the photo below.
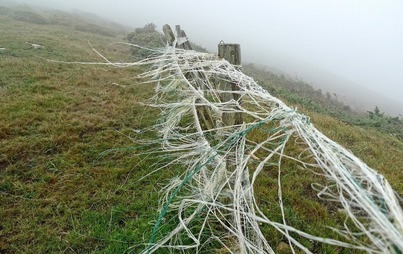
(178, 31)
(168, 34)
(182, 42)
(232, 53)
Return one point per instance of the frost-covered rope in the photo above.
(213, 203)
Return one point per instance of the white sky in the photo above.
(359, 40)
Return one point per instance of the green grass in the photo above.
(69, 169)
(59, 191)
(301, 94)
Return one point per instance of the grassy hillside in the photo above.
(300, 93)
(58, 191)
(69, 170)
(79, 21)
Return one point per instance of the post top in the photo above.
(230, 44)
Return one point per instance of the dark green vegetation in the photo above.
(303, 95)
(69, 169)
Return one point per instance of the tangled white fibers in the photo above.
(212, 204)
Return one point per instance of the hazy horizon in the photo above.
(359, 41)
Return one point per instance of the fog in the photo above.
(333, 44)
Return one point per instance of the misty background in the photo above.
(351, 48)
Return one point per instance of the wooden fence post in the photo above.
(168, 34)
(178, 31)
(232, 53)
(203, 112)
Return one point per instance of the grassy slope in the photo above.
(60, 193)
(57, 192)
